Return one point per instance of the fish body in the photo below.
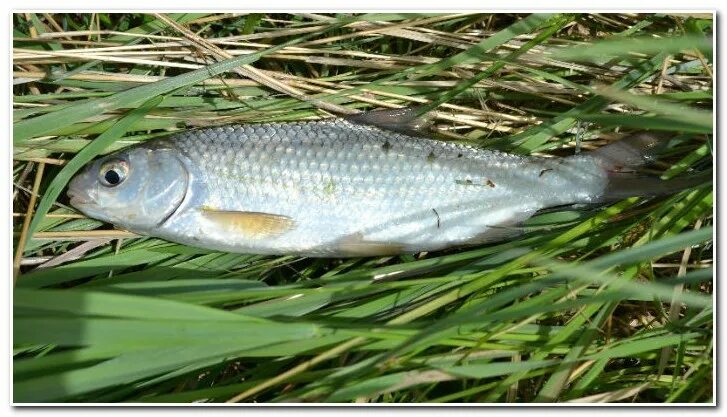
(329, 188)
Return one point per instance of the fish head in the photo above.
(137, 189)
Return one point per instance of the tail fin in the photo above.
(633, 152)
(622, 186)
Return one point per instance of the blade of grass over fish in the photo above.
(37, 126)
(86, 155)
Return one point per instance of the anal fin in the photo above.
(355, 245)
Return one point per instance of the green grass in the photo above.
(591, 304)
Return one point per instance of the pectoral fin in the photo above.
(256, 225)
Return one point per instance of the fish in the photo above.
(370, 184)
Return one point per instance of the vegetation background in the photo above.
(595, 304)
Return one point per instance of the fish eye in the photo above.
(113, 173)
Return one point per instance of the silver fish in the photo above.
(332, 188)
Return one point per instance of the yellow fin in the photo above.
(256, 225)
(355, 245)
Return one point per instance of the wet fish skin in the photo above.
(328, 188)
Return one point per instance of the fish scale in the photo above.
(390, 188)
(337, 188)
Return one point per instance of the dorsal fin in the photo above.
(407, 120)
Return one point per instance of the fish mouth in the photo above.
(85, 201)
(79, 198)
